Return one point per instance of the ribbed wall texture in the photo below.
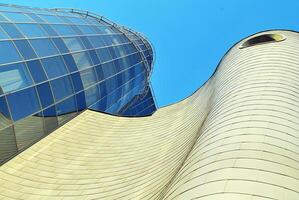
(235, 138)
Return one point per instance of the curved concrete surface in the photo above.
(237, 137)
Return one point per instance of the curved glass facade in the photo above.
(56, 63)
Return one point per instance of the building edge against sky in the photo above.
(56, 63)
(235, 138)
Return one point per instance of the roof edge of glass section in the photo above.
(116, 25)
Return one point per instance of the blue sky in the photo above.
(189, 36)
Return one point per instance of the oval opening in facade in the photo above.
(262, 39)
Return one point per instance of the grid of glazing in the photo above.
(54, 65)
(141, 106)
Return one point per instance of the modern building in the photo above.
(235, 138)
(54, 64)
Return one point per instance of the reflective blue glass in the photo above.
(112, 52)
(36, 70)
(88, 77)
(14, 77)
(74, 43)
(94, 57)
(92, 95)
(31, 30)
(49, 29)
(96, 41)
(61, 88)
(51, 18)
(77, 82)
(8, 52)
(17, 17)
(3, 19)
(67, 106)
(54, 66)
(60, 45)
(11, 30)
(45, 94)
(70, 62)
(36, 18)
(3, 35)
(23, 99)
(86, 42)
(82, 60)
(25, 49)
(104, 54)
(86, 30)
(4, 109)
(50, 112)
(63, 30)
(44, 47)
(99, 72)
(76, 20)
(81, 101)
(77, 30)
(109, 69)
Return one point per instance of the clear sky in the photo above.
(189, 36)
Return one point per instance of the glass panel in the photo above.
(60, 45)
(82, 60)
(62, 88)
(2, 18)
(17, 17)
(81, 102)
(14, 77)
(36, 18)
(54, 66)
(88, 77)
(36, 70)
(94, 57)
(50, 119)
(86, 30)
(104, 54)
(109, 69)
(3, 35)
(51, 19)
(12, 31)
(23, 99)
(76, 30)
(76, 20)
(31, 30)
(66, 110)
(8, 145)
(5, 119)
(86, 42)
(74, 44)
(25, 49)
(100, 73)
(77, 82)
(28, 131)
(96, 41)
(50, 112)
(92, 95)
(112, 52)
(8, 53)
(49, 29)
(70, 62)
(45, 94)
(44, 47)
(63, 29)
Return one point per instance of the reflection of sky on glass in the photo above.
(190, 36)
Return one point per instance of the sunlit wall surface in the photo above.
(56, 63)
